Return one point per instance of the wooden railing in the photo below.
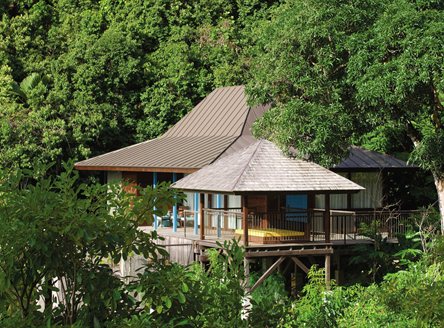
(219, 222)
(307, 225)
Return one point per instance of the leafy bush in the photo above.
(269, 302)
(57, 235)
(319, 306)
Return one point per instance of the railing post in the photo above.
(219, 217)
(175, 207)
(327, 218)
(154, 209)
(245, 219)
(196, 214)
(202, 218)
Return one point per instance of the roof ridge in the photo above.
(247, 163)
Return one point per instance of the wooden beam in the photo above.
(245, 219)
(290, 252)
(202, 218)
(267, 273)
(299, 263)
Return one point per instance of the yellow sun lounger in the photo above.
(269, 236)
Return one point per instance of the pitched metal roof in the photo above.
(218, 126)
(221, 121)
(360, 158)
(263, 167)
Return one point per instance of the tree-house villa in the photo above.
(237, 186)
(277, 196)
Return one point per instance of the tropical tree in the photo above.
(339, 70)
(61, 235)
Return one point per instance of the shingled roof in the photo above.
(218, 125)
(263, 167)
(360, 158)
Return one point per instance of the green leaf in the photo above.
(181, 298)
(168, 302)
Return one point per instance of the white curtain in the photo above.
(337, 201)
(189, 200)
(371, 197)
(233, 202)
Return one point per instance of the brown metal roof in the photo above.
(216, 124)
(360, 158)
(263, 167)
(217, 127)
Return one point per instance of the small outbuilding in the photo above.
(277, 195)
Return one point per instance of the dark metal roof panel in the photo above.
(360, 158)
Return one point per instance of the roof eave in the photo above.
(81, 167)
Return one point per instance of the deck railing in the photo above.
(306, 225)
(188, 221)
(222, 223)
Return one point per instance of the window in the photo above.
(371, 197)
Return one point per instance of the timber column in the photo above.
(327, 218)
(327, 270)
(201, 213)
(245, 219)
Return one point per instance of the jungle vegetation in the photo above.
(82, 77)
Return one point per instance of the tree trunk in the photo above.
(439, 183)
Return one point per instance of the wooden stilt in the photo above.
(327, 271)
(294, 281)
(338, 272)
(247, 274)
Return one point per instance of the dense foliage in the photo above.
(61, 235)
(351, 72)
(79, 78)
(60, 240)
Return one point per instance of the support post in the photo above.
(219, 217)
(245, 219)
(196, 214)
(175, 207)
(247, 274)
(327, 270)
(202, 218)
(154, 186)
(327, 218)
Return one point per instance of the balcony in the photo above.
(304, 226)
